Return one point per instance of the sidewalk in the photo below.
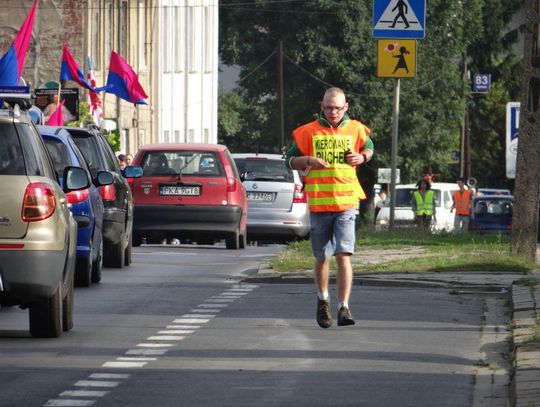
(524, 299)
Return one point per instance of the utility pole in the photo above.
(280, 96)
(527, 185)
(393, 156)
(465, 125)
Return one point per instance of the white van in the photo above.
(404, 216)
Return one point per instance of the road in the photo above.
(180, 328)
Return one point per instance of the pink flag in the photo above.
(57, 118)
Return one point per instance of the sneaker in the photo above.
(344, 317)
(324, 319)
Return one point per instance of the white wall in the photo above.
(188, 55)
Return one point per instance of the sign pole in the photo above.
(393, 159)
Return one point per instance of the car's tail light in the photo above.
(74, 197)
(38, 203)
(299, 196)
(107, 192)
(130, 182)
(231, 184)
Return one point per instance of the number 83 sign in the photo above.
(481, 83)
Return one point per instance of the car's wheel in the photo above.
(97, 264)
(243, 240)
(67, 308)
(113, 255)
(127, 254)
(83, 272)
(232, 241)
(46, 316)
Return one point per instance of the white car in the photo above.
(404, 216)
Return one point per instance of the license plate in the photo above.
(180, 190)
(260, 196)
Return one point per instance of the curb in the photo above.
(525, 386)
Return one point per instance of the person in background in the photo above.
(327, 150)
(381, 200)
(423, 205)
(122, 161)
(462, 206)
(129, 159)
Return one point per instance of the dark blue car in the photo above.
(86, 204)
(492, 213)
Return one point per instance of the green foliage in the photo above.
(329, 43)
(113, 139)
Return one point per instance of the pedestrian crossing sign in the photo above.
(396, 58)
(399, 19)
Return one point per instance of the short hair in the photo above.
(334, 91)
(121, 157)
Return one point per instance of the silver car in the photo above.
(277, 206)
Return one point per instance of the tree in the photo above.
(329, 43)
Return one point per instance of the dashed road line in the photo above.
(144, 352)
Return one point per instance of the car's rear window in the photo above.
(184, 162)
(90, 149)
(493, 206)
(264, 169)
(11, 157)
(59, 155)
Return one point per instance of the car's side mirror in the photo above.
(75, 178)
(132, 171)
(104, 178)
(243, 176)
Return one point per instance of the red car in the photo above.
(191, 192)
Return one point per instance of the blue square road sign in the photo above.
(399, 19)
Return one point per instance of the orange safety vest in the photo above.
(336, 188)
(461, 202)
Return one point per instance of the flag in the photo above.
(12, 62)
(123, 81)
(57, 118)
(70, 71)
(95, 107)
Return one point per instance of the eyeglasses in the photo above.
(336, 109)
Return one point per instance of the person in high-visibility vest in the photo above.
(423, 205)
(462, 206)
(328, 150)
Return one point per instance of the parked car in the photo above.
(492, 213)
(404, 216)
(117, 197)
(38, 234)
(277, 205)
(189, 192)
(86, 204)
(493, 191)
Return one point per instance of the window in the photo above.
(11, 157)
(166, 42)
(96, 34)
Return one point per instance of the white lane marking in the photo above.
(195, 316)
(95, 383)
(177, 331)
(123, 365)
(165, 338)
(68, 403)
(190, 320)
(183, 327)
(109, 376)
(233, 293)
(84, 393)
(202, 311)
(136, 359)
(218, 300)
(240, 289)
(155, 345)
(147, 352)
(213, 305)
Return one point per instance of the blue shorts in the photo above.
(332, 233)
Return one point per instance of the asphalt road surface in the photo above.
(180, 328)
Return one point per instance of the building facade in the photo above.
(172, 45)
